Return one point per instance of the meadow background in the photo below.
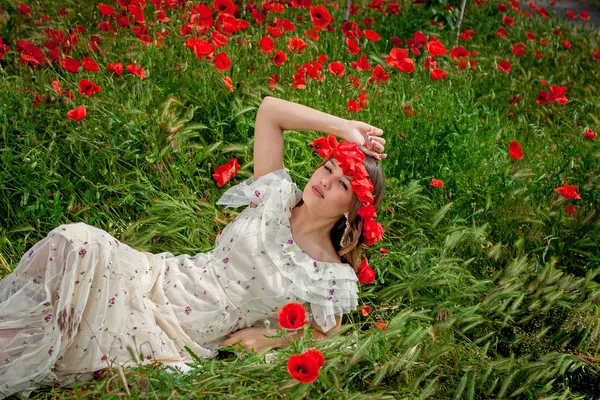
(487, 287)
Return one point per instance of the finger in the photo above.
(375, 131)
(378, 147)
(230, 341)
(371, 153)
(379, 139)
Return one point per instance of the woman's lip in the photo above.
(314, 188)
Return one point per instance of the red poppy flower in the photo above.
(351, 30)
(366, 310)
(502, 7)
(371, 35)
(568, 192)
(88, 88)
(361, 64)
(543, 12)
(320, 17)
(106, 9)
(200, 47)
(367, 211)
(542, 98)
(70, 64)
(274, 31)
(438, 74)
(322, 58)
(24, 9)
(115, 69)
(137, 71)
(530, 36)
(224, 6)
(566, 44)
(557, 93)
(39, 98)
(539, 55)
(365, 274)
(222, 62)
(515, 150)
(436, 183)
(516, 99)
(303, 367)
(225, 172)
(161, 16)
(436, 48)
(508, 21)
(296, 45)
(514, 4)
(584, 15)
(336, 68)
(279, 58)
(324, 146)
(137, 13)
(56, 86)
(459, 52)
(518, 49)
(317, 355)
(77, 114)
(372, 231)
(267, 44)
(379, 75)
(312, 34)
(299, 79)
(353, 46)
(382, 325)
(570, 210)
(292, 316)
(504, 66)
(466, 35)
(589, 134)
(396, 41)
(218, 39)
(3, 49)
(89, 64)
(501, 33)
(228, 83)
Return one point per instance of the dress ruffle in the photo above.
(330, 288)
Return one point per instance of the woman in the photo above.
(79, 300)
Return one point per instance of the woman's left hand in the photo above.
(367, 137)
(252, 338)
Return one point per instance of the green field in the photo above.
(490, 288)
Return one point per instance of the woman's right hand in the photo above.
(367, 137)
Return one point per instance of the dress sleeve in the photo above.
(254, 191)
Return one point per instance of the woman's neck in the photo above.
(308, 226)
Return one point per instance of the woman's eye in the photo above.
(342, 182)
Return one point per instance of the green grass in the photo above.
(490, 288)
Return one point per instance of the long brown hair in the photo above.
(351, 250)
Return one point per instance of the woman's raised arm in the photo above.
(275, 116)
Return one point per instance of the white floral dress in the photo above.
(79, 299)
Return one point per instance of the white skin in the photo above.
(317, 216)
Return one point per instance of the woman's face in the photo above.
(336, 194)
